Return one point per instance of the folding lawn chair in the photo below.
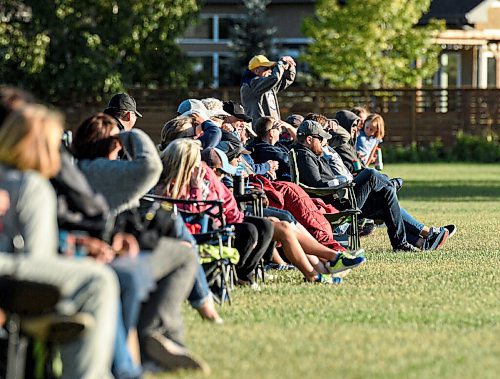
(343, 192)
(217, 255)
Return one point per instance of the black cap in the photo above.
(235, 109)
(123, 102)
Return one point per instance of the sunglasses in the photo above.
(318, 137)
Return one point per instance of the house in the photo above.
(471, 41)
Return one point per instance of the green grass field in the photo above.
(425, 315)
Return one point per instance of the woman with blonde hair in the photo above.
(185, 176)
(29, 140)
(196, 124)
(29, 154)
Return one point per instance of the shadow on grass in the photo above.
(458, 190)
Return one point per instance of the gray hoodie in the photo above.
(124, 182)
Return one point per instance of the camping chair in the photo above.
(256, 197)
(343, 191)
(30, 309)
(217, 255)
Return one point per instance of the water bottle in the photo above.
(379, 164)
(356, 165)
(238, 185)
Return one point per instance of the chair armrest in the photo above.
(324, 191)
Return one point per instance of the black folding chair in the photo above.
(344, 192)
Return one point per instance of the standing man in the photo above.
(261, 83)
(124, 109)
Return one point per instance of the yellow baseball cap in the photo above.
(260, 61)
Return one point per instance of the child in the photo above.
(369, 137)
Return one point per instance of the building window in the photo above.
(491, 72)
(450, 70)
(211, 28)
(203, 29)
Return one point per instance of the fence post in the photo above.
(413, 115)
(467, 110)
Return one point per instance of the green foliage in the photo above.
(372, 43)
(251, 35)
(467, 148)
(68, 49)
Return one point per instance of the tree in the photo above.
(68, 49)
(251, 35)
(373, 43)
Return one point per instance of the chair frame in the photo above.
(341, 191)
(214, 210)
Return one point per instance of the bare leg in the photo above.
(277, 258)
(311, 246)
(284, 233)
(318, 265)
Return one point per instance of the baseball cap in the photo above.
(190, 106)
(295, 120)
(214, 107)
(260, 61)
(123, 102)
(312, 128)
(216, 158)
(236, 109)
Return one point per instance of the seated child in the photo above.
(369, 137)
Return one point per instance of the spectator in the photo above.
(370, 136)
(172, 265)
(123, 109)
(345, 147)
(266, 146)
(29, 155)
(238, 118)
(375, 193)
(362, 113)
(262, 82)
(229, 136)
(185, 176)
(202, 127)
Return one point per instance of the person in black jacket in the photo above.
(266, 147)
(345, 143)
(375, 194)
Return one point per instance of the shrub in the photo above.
(467, 148)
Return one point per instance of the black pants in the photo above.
(253, 239)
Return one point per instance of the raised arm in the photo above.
(261, 85)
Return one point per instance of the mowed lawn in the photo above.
(424, 315)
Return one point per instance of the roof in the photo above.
(452, 11)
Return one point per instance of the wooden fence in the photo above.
(419, 116)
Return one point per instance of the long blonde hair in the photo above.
(179, 160)
(30, 139)
(377, 121)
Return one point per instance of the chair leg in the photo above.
(16, 353)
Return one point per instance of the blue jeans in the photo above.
(376, 197)
(200, 292)
(370, 181)
(123, 366)
(413, 227)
